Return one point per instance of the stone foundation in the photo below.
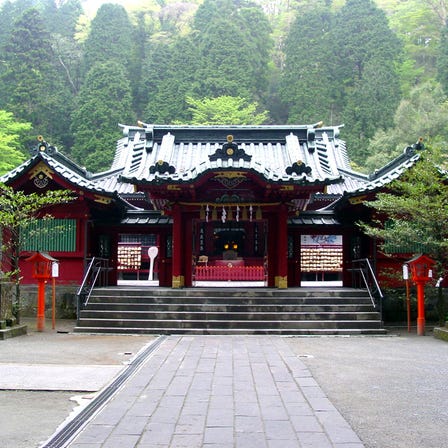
(441, 332)
(65, 301)
(7, 292)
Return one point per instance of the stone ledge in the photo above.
(11, 332)
(441, 332)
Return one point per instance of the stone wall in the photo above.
(7, 291)
(65, 301)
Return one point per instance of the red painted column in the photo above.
(188, 249)
(420, 308)
(40, 324)
(178, 279)
(281, 236)
(272, 250)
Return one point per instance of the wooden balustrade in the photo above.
(229, 272)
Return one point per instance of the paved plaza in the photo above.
(218, 392)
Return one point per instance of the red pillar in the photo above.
(40, 324)
(188, 249)
(281, 236)
(178, 279)
(420, 308)
(347, 242)
(272, 250)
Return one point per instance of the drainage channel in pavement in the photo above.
(74, 426)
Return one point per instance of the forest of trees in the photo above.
(380, 68)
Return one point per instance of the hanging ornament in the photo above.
(250, 213)
(224, 215)
(237, 214)
(206, 213)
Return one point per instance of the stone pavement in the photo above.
(216, 392)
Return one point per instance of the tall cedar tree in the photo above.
(32, 86)
(234, 43)
(104, 101)
(371, 105)
(306, 82)
(168, 78)
(362, 43)
(442, 62)
(9, 12)
(109, 39)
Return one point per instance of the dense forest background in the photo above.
(71, 70)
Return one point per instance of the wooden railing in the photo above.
(229, 272)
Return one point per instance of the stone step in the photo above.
(229, 300)
(223, 316)
(228, 292)
(229, 311)
(235, 331)
(240, 324)
(212, 307)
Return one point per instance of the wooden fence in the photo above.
(229, 272)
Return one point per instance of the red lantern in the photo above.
(42, 271)
(421, 272)
(421, 268)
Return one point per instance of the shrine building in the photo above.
(272, 206)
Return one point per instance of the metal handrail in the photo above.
(369, 279)
(97, 269)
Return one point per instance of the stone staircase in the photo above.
(298, 311)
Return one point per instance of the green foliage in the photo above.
(168, 78)
(417, 211)
(365, 52)
(104, 101)
(371, 104)
(417, 25)
(423, 114)
(11, 132)
(28, 63)
(340, 67)
(66, 18)
(442, 63)
(110, 37)
(19, 209)
(32, 87)
(306, 84)
(224, 110)
(301, 60)
(233, 45)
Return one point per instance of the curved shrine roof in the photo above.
(289, 154)
(178, 154)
